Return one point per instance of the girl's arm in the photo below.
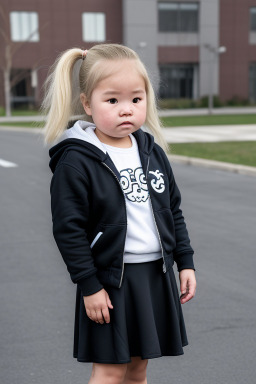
(183, 252)
(70, 212)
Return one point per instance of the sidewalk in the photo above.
(213, 133)
(202, 134)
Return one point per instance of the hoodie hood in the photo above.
(83, 130)
(81, 137)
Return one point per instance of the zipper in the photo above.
(122, 274)
(160, 241)
(96, 239)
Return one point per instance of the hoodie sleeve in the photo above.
(70, 211)
(183, 252)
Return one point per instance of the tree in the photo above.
(10, 48)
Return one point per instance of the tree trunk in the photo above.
(7, 92)
(7, 80)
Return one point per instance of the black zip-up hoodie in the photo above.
(87, 200)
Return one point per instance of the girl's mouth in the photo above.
(126, 123)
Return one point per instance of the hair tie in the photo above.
(84, 53)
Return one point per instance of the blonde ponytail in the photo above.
(58, 102)
(152, 121)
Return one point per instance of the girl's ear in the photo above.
(85, 104)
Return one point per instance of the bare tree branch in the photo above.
(4, 18)
(5, 36)
(22, 74)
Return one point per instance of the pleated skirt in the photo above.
(146, 320)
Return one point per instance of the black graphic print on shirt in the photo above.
(133, 183)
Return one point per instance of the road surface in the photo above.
(37, 298)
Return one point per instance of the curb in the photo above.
(235, 168)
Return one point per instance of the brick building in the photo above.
(188, 46)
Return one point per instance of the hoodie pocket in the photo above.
(96, 238)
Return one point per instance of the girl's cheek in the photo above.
(106, 120)
(108, 115)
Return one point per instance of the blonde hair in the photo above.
(62, 97)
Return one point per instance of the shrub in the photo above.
(202, 103)
(177, 103)
(237, 101)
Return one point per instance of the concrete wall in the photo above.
(178, 39)
(209, 35)
(140, 26)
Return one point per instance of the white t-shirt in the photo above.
(142, 242)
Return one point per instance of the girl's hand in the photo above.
(97, 305)
(187, 285)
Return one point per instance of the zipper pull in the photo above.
(147, 170)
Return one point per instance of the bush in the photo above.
(177, 103)
(188, 103)
(202, 103)
(237, 101)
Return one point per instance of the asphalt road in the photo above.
(37, 298)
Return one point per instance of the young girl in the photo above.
(116, 214)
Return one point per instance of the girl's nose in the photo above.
(126, 110)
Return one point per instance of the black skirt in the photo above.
(146, 320)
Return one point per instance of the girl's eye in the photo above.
(112, 101)
(136, 100)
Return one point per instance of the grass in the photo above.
(242, 152)
(25, 124)
(20, 112)
(184, 121)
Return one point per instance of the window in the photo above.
(94, 28)
(253, 19)
(24, 26)
(22, 93)
(178, 81)
(178, 17)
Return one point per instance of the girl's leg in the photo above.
(136, 371)
(107, 373)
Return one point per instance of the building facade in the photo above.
(189, 47)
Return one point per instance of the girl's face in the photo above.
(118, 104)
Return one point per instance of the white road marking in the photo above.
(7, 164)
